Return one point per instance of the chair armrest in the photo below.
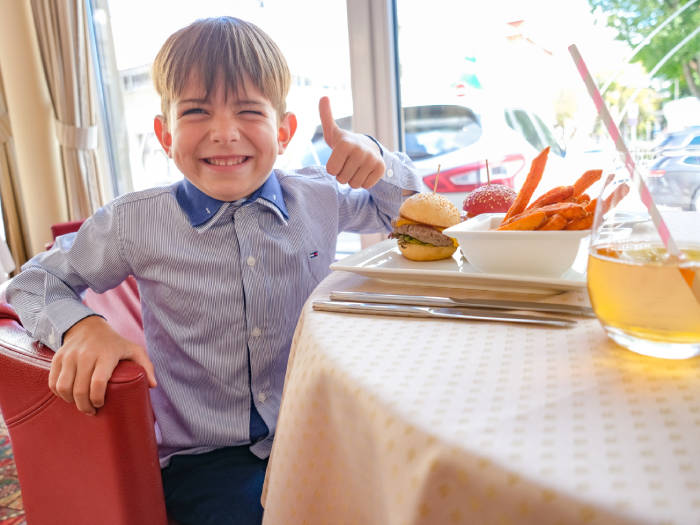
(74, 468)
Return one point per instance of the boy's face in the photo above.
(225, 145)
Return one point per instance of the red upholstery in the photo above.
(65, 227)
(76, 469)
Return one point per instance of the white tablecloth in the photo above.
(418, 421)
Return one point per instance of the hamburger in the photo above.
(418, 228)
(491, 198)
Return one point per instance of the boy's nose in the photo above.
(225, 131)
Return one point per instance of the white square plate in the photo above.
(384, 261)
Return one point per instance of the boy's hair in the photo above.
(224, 46)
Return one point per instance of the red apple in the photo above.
(491, 198)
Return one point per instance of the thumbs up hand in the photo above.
(355, 159)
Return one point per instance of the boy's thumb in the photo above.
(142, 359)
(327, 123)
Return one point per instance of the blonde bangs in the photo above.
(221, 46)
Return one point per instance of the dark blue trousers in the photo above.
(221, 487)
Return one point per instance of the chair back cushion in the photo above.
(74, 468)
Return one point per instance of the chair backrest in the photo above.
(73, 468)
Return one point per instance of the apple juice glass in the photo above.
(640, 293)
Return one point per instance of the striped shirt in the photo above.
(221, 285)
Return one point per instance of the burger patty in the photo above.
(424, 234)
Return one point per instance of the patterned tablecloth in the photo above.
(418, 421)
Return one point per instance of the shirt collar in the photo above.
(271, 191)
(200, 207)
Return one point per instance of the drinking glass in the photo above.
(642, 294)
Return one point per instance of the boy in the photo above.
(224, 260)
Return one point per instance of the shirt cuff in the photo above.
(58, 318)
(381, 150)
(401, 172)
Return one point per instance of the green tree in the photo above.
(635, 19)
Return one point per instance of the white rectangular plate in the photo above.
(384, 261)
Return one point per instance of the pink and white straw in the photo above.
(656, 217)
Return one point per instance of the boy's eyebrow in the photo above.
(192, 101)
(242, 102)
(250, 102)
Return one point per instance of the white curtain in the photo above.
(64, 44)
(11, 212)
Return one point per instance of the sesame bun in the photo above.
(423, 252)
(430, 208)
(491, 198)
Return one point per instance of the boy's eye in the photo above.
(252, 112)
(192, 111)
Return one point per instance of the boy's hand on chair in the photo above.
(81, 368)
(355, 159)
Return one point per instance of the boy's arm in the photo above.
(371, 211)
(46, 294)
(83, 365)
(378, 180)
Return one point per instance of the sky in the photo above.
(309, 30)
(434, 40)
(439, 42)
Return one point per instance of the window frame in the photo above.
(374, 70)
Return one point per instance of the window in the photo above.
(430, 131)
(509, 65)
(317, 53)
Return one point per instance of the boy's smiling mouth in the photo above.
(233, 160)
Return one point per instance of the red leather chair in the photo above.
(76, 469)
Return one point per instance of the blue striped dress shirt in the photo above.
(221, 284)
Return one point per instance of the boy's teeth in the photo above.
(226, 162)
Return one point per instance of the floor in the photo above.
(11, 511)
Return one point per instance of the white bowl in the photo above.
(540, 253)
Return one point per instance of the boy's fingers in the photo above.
(350, 171)
(327, 123)
(64, 382)
(98, 383)
(54, 372)
(81, 390)
(150, 373)
(377, 172)
(359, 178)
(140, 356)
(371, 177)
(336, 163)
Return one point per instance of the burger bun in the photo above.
(491, 198)
(430, 208)
(422, 252)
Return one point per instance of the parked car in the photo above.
(679, 142)
(675, 181)
(459, 141)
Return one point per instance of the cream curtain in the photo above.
(64, 45)
(11, 210)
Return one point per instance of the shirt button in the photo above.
(389, 172)
(256, 332)
(251, 261)
(262, 396)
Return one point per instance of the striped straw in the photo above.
(657, 219)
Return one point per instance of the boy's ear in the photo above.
(160, 126)
(287, 128)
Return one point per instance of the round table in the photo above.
(388, 420)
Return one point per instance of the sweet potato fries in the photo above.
(561, 208)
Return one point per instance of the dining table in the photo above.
(408, 421)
